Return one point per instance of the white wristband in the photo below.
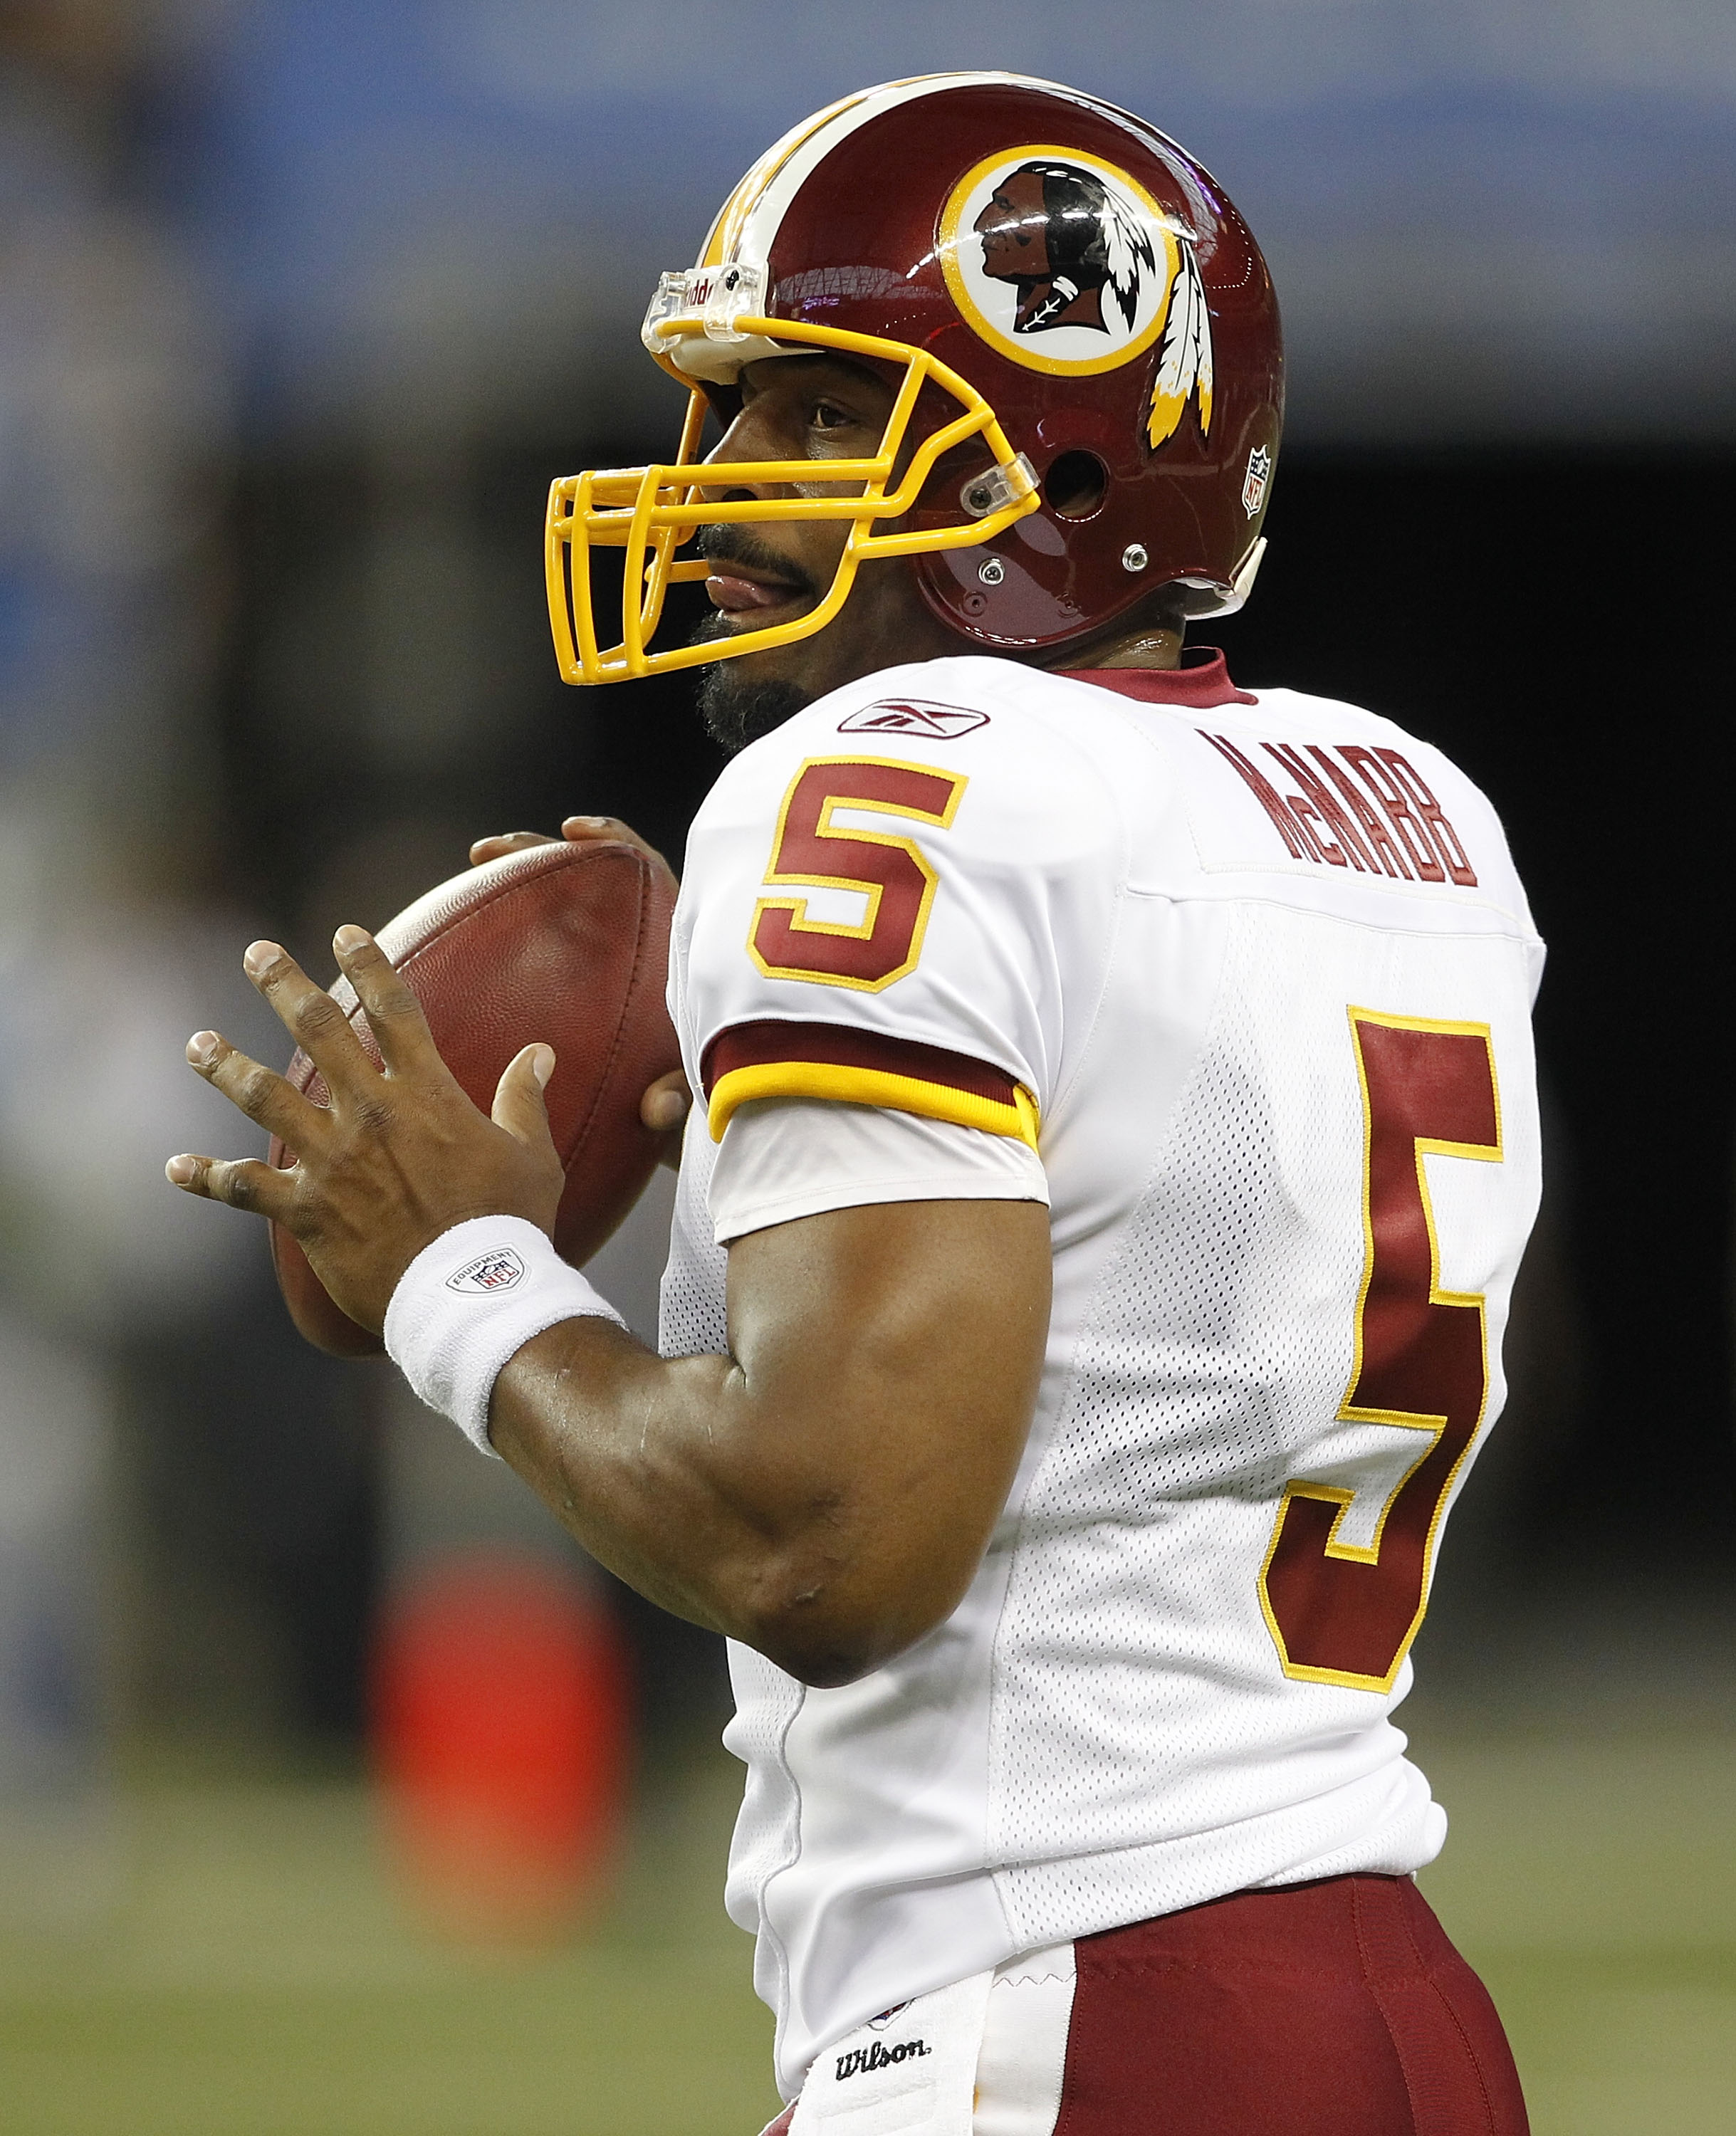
(470, 1301)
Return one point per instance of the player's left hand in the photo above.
(665, 1106)
(398, 1157)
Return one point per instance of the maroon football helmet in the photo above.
(1084, 337)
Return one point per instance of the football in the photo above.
(564, 943)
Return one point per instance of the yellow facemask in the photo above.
(651, 512)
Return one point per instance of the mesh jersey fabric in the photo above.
(1156, 920)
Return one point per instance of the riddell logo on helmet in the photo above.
(498, 1270)
(1065, 264)
(913, 715)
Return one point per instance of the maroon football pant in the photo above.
(1337, 2009)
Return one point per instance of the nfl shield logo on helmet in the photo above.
(1253, 488)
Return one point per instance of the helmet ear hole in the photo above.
(1076, 485)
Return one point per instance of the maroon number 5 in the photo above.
(1339, 1612)
(811, 853)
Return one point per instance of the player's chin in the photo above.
(741, 700)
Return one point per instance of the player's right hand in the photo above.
(664, 1105)
(575, 830)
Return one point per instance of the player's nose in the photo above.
(750, 440)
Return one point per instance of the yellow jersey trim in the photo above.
(872, 1086)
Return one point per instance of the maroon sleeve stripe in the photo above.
(837, 1046)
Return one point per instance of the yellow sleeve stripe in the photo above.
(871, 1086)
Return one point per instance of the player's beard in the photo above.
(737, 707)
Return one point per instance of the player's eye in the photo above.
(828, 415)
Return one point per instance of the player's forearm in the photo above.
(701, 1492)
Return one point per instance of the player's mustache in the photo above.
(731, 544)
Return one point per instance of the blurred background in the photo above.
(301, 306)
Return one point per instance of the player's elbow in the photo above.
(827, 1655)
(830, 1625)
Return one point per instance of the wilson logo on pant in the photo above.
(860, 2061)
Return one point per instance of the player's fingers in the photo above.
(242, 1183)
(575, 829)
(258, 1091)
(666, 1103)
(394, 1014)
(518, 1105)
(318, 1027)
(507, 841)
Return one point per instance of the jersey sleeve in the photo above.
(785, 1158)
(906, 920)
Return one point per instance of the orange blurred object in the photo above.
(500, 1719)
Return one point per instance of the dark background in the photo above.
(1551, 619)
(1555, 623)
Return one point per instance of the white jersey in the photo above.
(1251, 975)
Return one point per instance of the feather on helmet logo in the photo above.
(1064, 263)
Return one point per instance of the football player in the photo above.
(1113, 1141)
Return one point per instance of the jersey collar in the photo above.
(1202, 680)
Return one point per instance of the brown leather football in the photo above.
(568, 944)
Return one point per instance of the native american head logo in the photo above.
(1058, 235)
(1066, 264)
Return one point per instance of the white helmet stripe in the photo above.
(751, 216)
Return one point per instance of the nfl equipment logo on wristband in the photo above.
(452, 1356)
(498, 1270)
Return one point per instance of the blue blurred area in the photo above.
(1484, 219)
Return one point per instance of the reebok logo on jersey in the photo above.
(498, 1270)
(913, 715)
(860, 2061)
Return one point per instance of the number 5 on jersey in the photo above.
(890, 871)
(1339, 1612)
